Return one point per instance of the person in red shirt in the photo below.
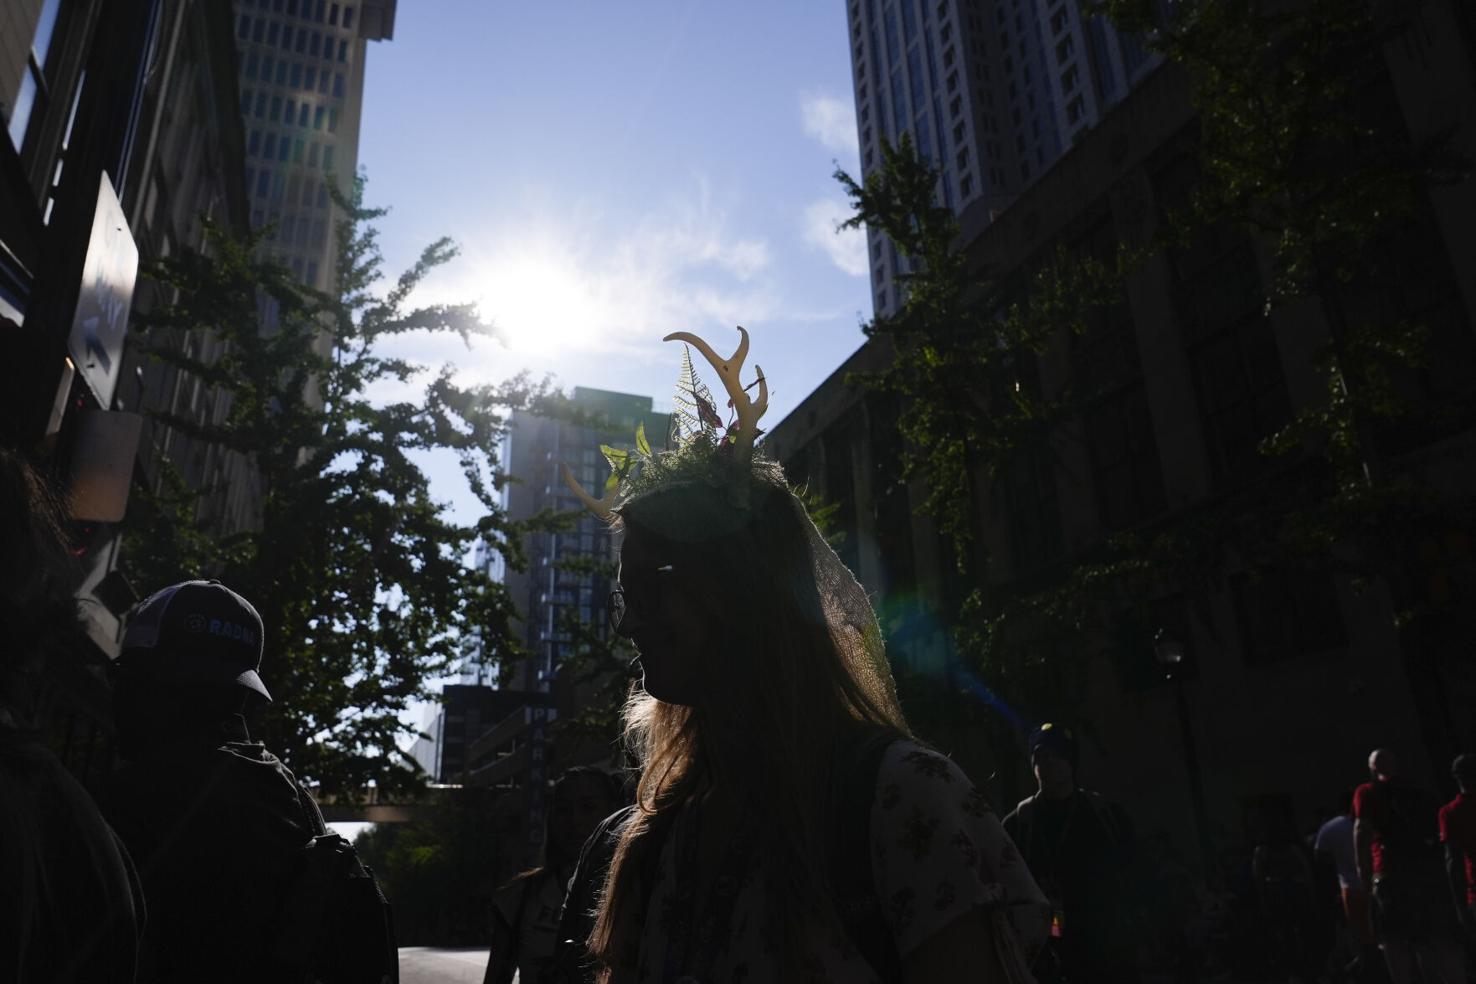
(1394, 833)
(1458, 834)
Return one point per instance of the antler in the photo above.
(600, 507)
(749, 411)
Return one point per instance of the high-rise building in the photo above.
(302, 68)
(990, 92)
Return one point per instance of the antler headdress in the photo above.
(737, 441)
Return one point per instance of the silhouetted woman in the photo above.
(787, 826)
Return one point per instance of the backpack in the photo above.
(1411, 836)
(336, 925)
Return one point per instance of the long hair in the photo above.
(780, 689)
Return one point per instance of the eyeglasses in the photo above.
(642, 604)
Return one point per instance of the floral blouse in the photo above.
(937, 852)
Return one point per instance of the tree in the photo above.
(357, 570)
(1298, 144)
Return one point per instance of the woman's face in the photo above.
(664, 617)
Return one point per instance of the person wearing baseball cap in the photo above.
(1079, 846)
(215, 822)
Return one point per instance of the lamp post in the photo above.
(1169, 652)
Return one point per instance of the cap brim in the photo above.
(251, 680)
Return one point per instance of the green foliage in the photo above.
(440, 873)
(357, 571)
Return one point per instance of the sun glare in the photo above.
(541, 304)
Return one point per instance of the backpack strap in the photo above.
(852, 877)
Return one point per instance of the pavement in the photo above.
(443, 965)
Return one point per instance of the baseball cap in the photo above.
(1058, 738)
(198, 631)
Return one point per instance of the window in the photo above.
(253, 144)
(1075, 109)
(302, 116)
(327, 157)
(1069, 79)
(1033, 517)
(966, 186)
(313, 154)
(1124, 453)
(318, 117)
(273, 30)
(267, 64)
(322, 194)
(261, 103)
(1059, 20)
(243, 28)
(1283, 613)
(289, 112)
(297, 151)
(348, 15)
(263, 181)
(245, 102)
(316, 47)
(1064, 50)
(296, 80)
(338, 85)
(281, 72)
(342, 51)
(333, 15)
(276, 113)
(284, 149)
(310, 79)
(256, 30)
(251, 63)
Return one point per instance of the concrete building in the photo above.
(302, 65)
(506, 706)
(1293, 677)
(122, 130)
(990, 91)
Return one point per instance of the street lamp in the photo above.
(1168, 651)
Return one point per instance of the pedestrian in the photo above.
(71, 907)
(1396, 837)
(525, 911)
(1458, 834)
(218, 825)
(787, 826)
(1283, 878)
(1334, 842)
(1081, 848)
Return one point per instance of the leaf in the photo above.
(642, 445)
(618, 458)
(693, 404)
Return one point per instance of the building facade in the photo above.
(1294, 675)
(989, 91)
(302, 65)
(121, 133)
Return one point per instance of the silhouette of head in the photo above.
(1464, 771)
(189, 660)
(1383, 764)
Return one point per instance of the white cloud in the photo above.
(846, 247)
(831, 121)
(559, 279)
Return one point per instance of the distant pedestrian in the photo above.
(218, 825)
(1334, 841)
(526, 911)
(1081, 848)
(1458, 834)
(71, 908)
(1283, 878)
(1396, 834)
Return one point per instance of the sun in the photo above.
(540, 302)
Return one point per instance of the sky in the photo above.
(613, 172)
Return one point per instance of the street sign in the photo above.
(104, 296)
